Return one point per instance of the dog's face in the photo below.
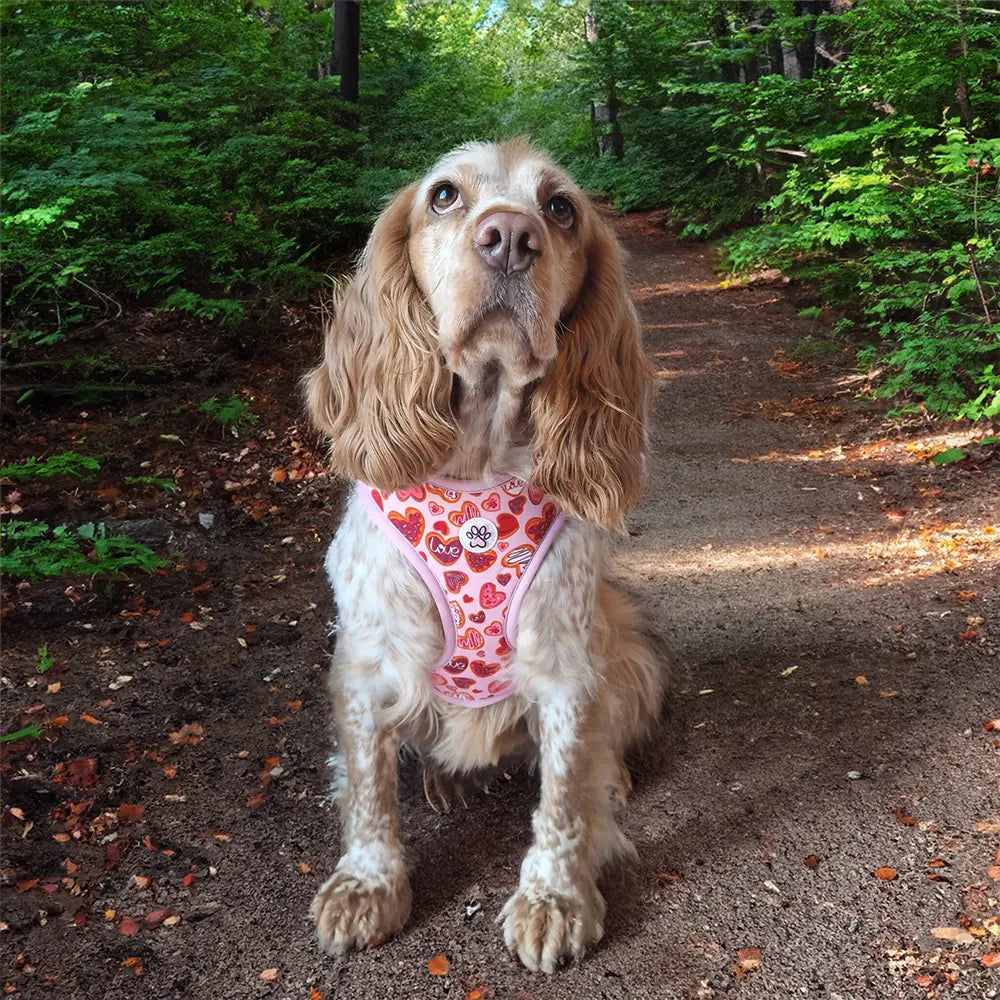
(497, 236)
(495, 260)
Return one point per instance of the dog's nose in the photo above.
(509, 241)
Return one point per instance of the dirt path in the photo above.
(812, 582)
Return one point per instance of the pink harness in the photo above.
(477, 547)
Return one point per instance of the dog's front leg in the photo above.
(368, 897)
(558, 911)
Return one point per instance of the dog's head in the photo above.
(495, 260)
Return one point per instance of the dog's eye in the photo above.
(561, 211)
(443, 197)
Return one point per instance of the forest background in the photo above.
(205, 156)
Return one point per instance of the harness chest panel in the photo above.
(477, 547)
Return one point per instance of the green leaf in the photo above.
(949, 456)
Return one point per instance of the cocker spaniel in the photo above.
(484, 385)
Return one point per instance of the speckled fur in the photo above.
(588, 684)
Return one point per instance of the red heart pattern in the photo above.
(478, 596)
(410, 524)
(445, 550)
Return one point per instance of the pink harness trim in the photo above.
(477, 547)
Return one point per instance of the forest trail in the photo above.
(816, 581)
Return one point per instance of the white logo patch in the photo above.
(478, 534)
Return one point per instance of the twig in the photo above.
(979, 284)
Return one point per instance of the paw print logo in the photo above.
(478, 534)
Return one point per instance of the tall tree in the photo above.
(347, 46)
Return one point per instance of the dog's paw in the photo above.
(545, 929)
(355, 912)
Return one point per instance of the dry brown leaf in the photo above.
(304, 867)
(269, 975)
(130, 813)
(886, 874)
(438, 966)
(904, 818)
(668, 878)
(993, 724)
(959, 935)
(811, 861)
(294, 706)
(142, 881)
(128, 927)
(861, 679)
(990, 959)
(187, 735)
(314, 994)
(90, 719)
(279, 475)
(476, 994)
(133, 962)
(988, 826)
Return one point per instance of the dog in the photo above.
(484, 385)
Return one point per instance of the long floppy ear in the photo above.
(589, 411)
(382, 393)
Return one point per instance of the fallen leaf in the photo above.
(990, 826)
(279, 475)
(156, 917)
(294, 706)
(110, 914)
(990, 959)
(992, 725)
(142, 881)
(128, 927)
(811, 861)
(269, 975)
(475, 995)
(187, 617)
(90, 719)
(438, 966)
(861, 679)
(668, 878)
(188, 880)
(130, 813)
(748, 959)
(54, 688)
(170, 771)
(133, 962)
(26, 884)
(965, 595)
(959, 935)
(187, 735)
(255, 801)
(886, 874)
(994, 872)
(60, 721)
(17, 813)
(304, 867)
(937, 863)
(968, 634)
(314, 994)
(904, 818)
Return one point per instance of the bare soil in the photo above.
(828, 603)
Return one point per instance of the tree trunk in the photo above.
(962, 86)
(347, 46)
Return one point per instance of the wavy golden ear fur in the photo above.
(589, 411)
(383, 393)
